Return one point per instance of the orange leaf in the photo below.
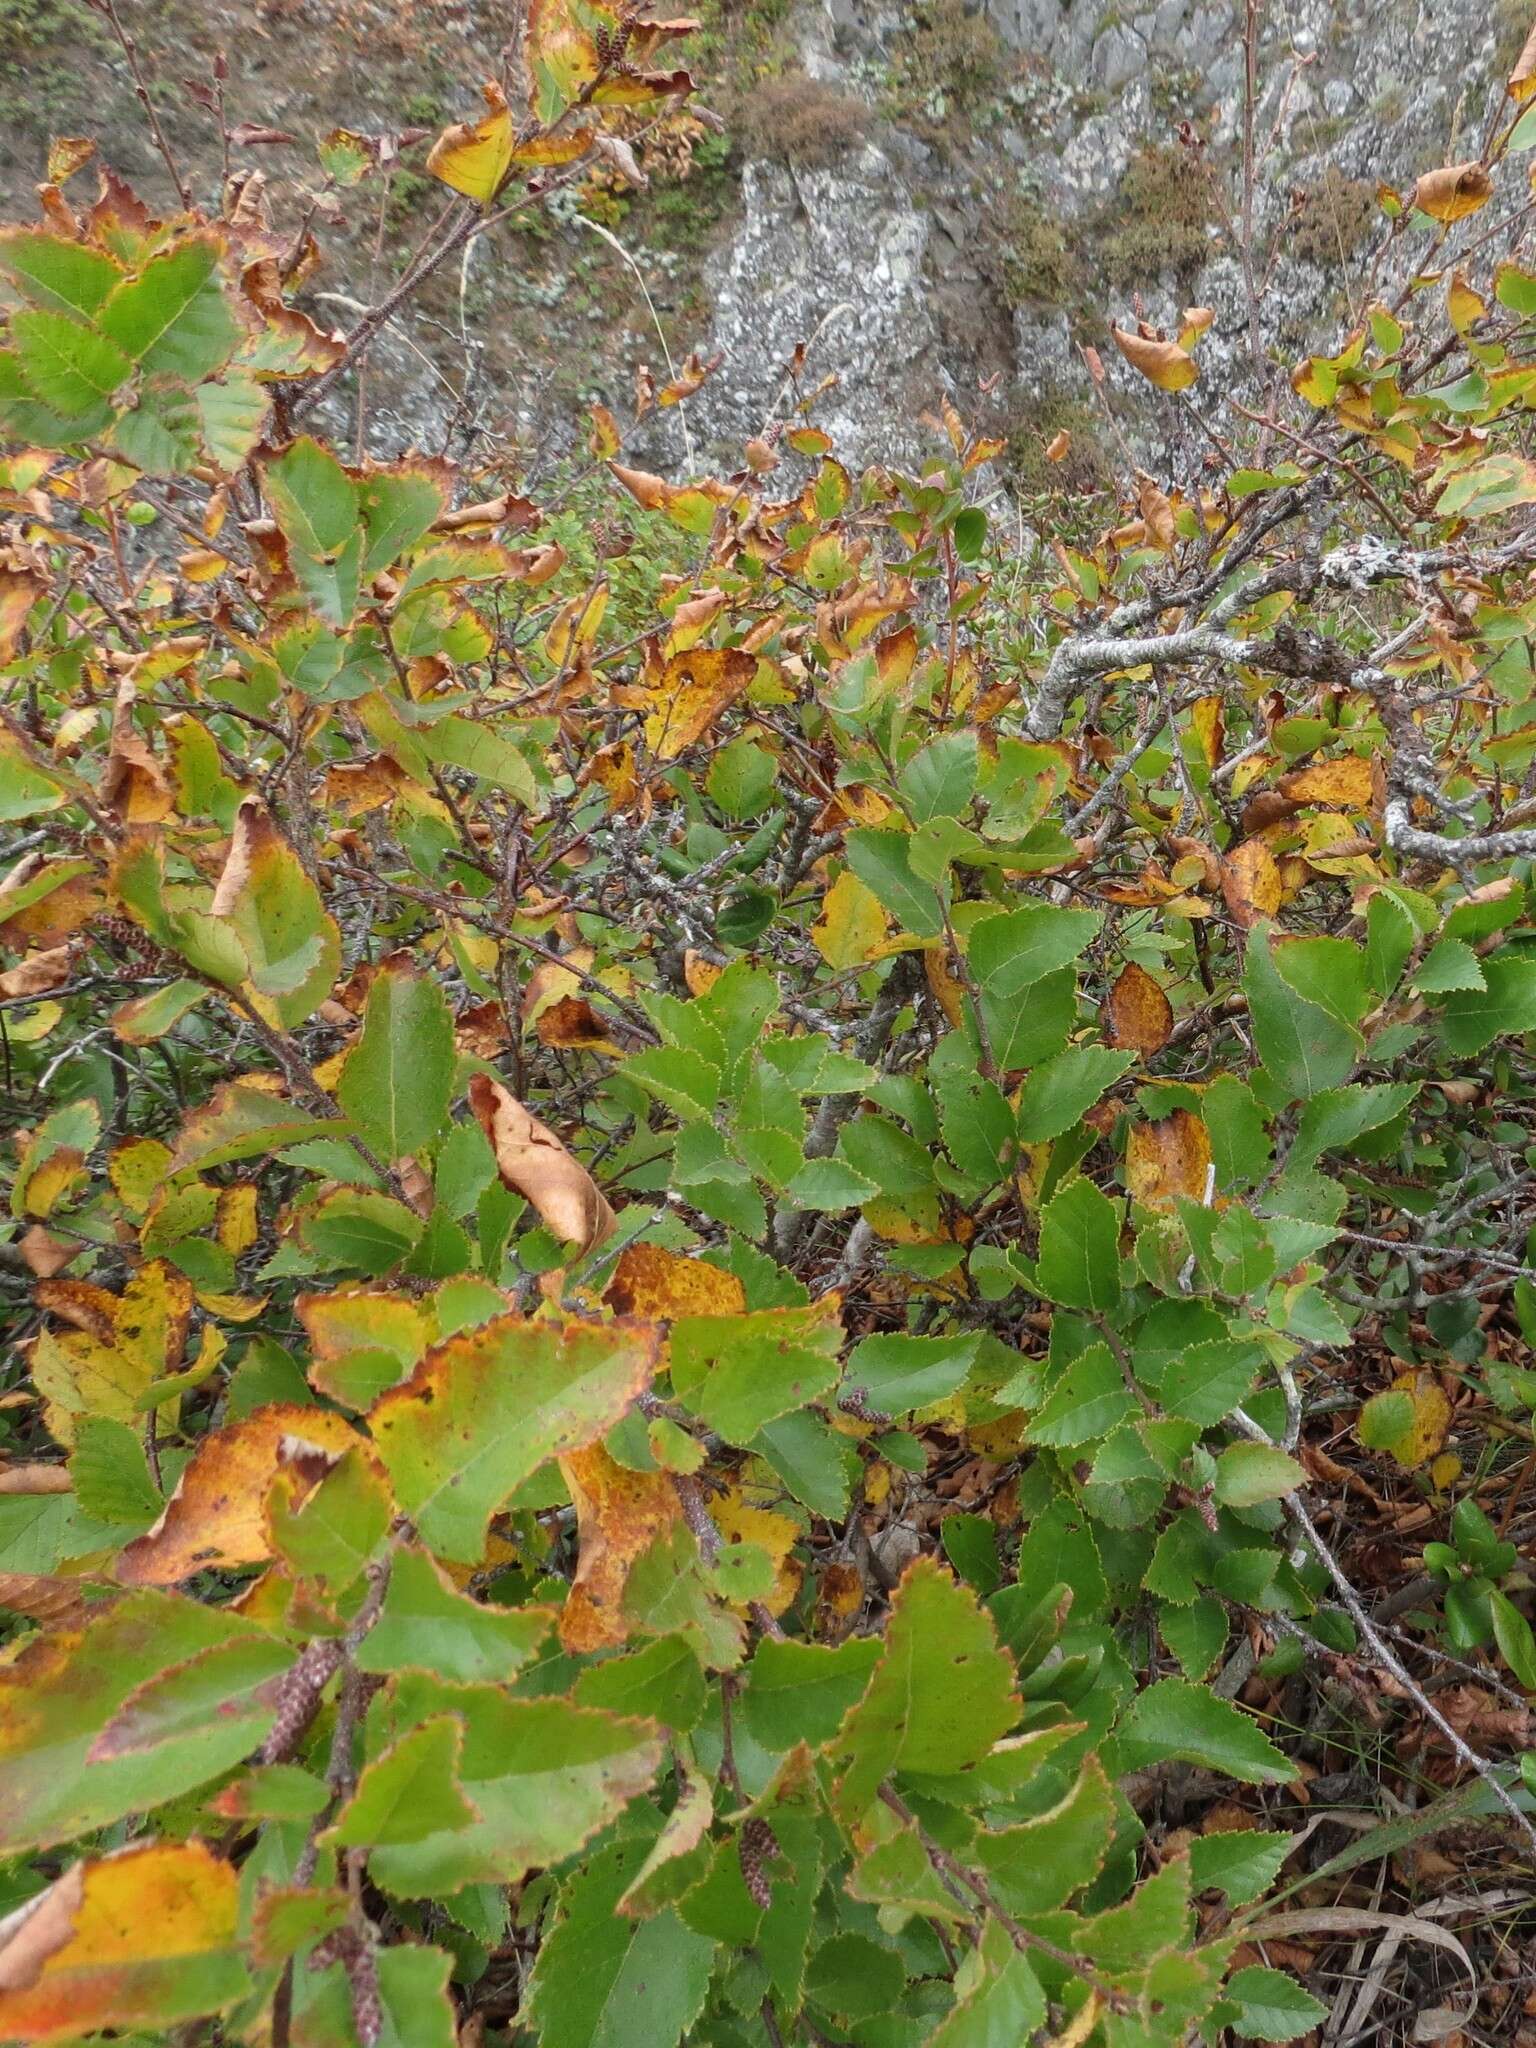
(533, 1162)
(619, 1514)
(1250, 881)
(217, 1515)
(1168, 1158)
(144, 1938)
(1137, 1016)
(653, 1282)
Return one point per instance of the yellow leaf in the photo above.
(1162, 363)
(693, 690)
(1349, 781)
(852, 923)
(1431, 1417)
(143, 1938)
(1522, 80)
(739, 1521)
(1168, 1158)
(475, 160)
(1250, 881)
(1452, 192)
(660, 1285)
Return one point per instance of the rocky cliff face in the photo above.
(942, 255)
(938, 200)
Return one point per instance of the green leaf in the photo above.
(290, 941)
(662, 1682)
(409, 1792)
(830, 1185)
(1247, 1474)
(799, 1692)
(998, 2003)
(1038, 1865)
(604, 1981)
(896, 1373)
(940, 1696)
(483, 1411)
(1332, 1121)
(111, 1475)
(75, 369)
(1056, 1096)
(940, 779)
(426, 1620)
(1303, 1047)
(1079, 1263)
(360, 1230)
(1512, 1633)
(738, 1373)
(233, 413)
(1174, 1718)
(59, 1693)
(1271, 2005)
(240, 1123)
(543, 1776)
(173, 319)
(1086, 1403)
(854, 1977)
(398, 1080)
(882, 861)
(1009, 953)
(60, 276)
(1208, 1380)
(1243, 1863)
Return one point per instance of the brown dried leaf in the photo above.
(37, 974)
(533, 1162)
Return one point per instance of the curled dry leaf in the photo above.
(1137, 1015)
(37, 974)
(1162, 363)
(532, 1161)
(217, 1515)
(34, 1478)
(1250, 881)
(38, 1930)
(1452, 192)
(619, 1514)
